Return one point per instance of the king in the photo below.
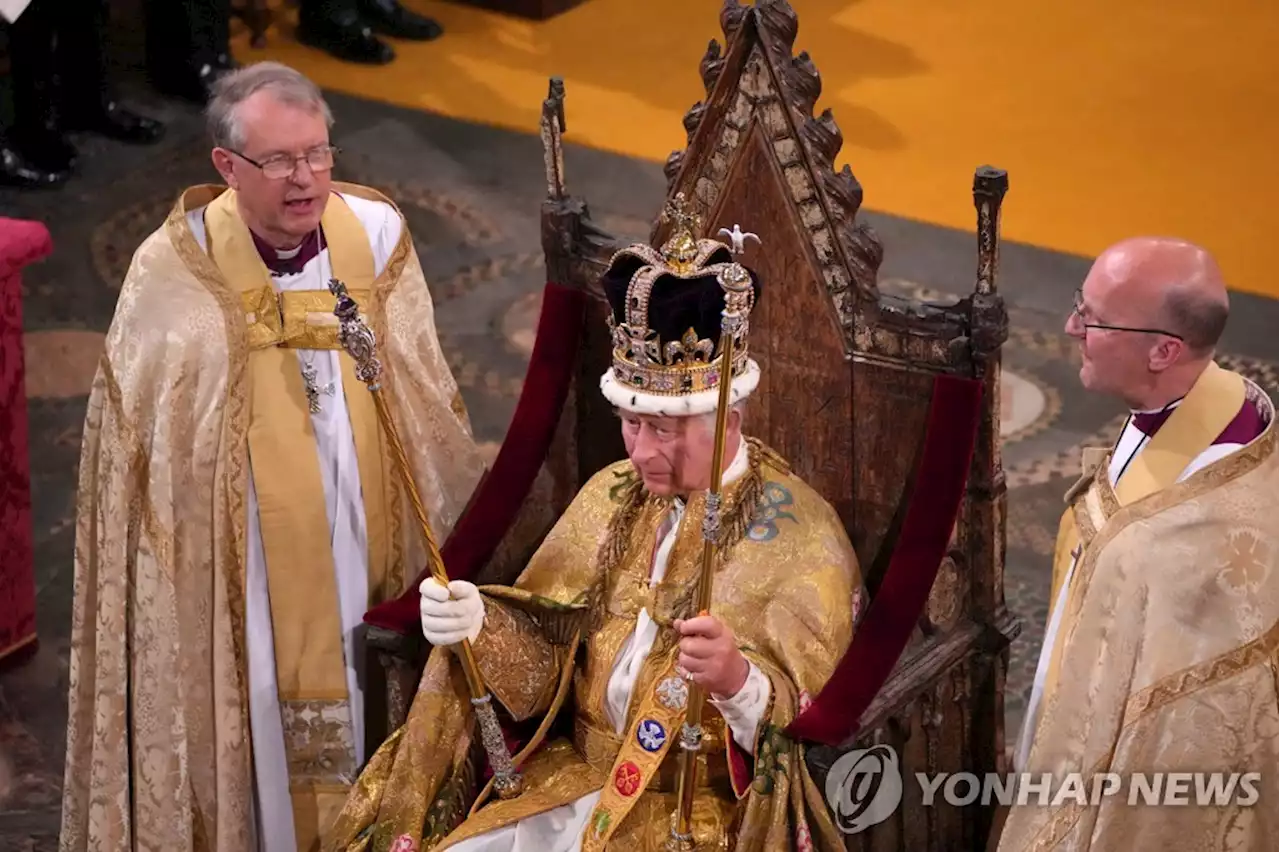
(600, 649)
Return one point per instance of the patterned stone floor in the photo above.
(471, 195)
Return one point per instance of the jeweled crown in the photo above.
(671, 308)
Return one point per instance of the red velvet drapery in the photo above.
(21, 243)
(938, 489)
(504, 488)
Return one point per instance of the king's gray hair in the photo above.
(285, 84)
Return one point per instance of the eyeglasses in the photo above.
(1078, 309)
(283, 166)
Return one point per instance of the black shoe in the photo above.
(16, 170)
(43, 146)
(345, 37)
(389, 18)
(110, 119)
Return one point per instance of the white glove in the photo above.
(450, 615)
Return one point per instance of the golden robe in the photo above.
(1166, 660)
(786, 584)
(158, 741)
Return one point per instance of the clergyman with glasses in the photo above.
(1159, 654)
(237, 511)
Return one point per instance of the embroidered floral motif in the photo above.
(1244, 558)
(600, 822)
(806, 700)
(770, 510)
(404, 843)
(768, 763)
(625, 479)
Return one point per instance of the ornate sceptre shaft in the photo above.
(736, 282)
(359, 341)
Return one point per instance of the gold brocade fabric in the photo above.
(1168, 661)
(158, 740)
(786, 588)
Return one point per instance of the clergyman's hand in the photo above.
(709, 652)
(451, 614)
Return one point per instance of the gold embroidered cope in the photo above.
(786, 588)
(197, 377)
(1165, 660)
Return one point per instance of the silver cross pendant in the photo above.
(312, 390)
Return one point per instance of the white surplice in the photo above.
(1132, 441)
(560, 829)
(344, 504)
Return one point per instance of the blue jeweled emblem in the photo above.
(651, 735)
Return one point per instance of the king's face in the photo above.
(673, 454)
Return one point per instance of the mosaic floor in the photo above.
(471, 196)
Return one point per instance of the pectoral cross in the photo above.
(312, 390)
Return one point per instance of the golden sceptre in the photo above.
(359, 341)
(736, 283)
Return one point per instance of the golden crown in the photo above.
(645, 363)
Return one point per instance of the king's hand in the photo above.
(709, 653)
(450, 614)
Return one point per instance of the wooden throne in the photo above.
(849, 374)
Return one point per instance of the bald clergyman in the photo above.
(1160, 652)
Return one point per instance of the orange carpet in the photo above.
(1152, 116)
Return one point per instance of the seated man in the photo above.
(596, 641)
(238, 510)
(1160, 651)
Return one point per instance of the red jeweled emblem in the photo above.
(627, 779)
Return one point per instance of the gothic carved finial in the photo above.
(803, 79)
(671, 167)
(779, 20)
(732, 14)
(824, 138)
(711, 66)
(692, 119)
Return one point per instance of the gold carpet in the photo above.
(1150, 116)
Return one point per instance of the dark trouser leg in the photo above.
(34, 72)
(335, 26)
(87, 99)
(389, 18)
(188, 45)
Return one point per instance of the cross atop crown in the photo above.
(681, 247)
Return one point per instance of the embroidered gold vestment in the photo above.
(195, 378)
(786, 584)
(1166, 658)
